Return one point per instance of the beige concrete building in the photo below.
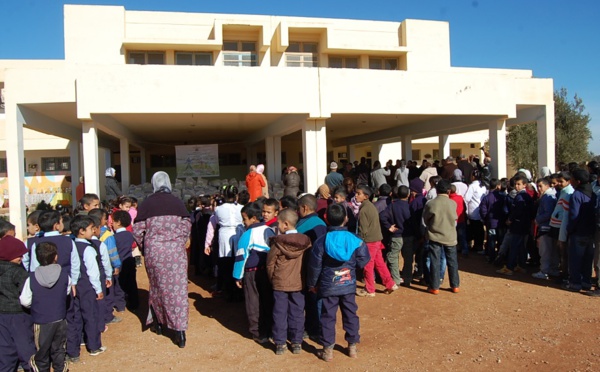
(283, 90)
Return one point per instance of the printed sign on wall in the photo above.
(197, 161)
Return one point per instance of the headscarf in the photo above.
(260, 169)
(416, 185)
(291, 169)
(545, 172)
(527, 173)
(457, 175)
(324, 191)
(161, 182)
(110, 172)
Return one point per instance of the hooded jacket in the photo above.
(255, 182)
(582, 212)
(12, 279)
(284, 261)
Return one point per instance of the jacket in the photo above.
(252, 249)
(333, 261)
(440, 217)
(582, 212)
(12, 279)
(491, 209)
(561, 212)
(546, 206)
(292, 184)
(473, 197)
(255, 182)
(284, 261)
(398, 213)
(369, 228)
(521, 214)
(112, 189)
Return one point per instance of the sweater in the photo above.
(491, 209)
(252, 249)
(582, 212)
(546, 206)
(12, 279)
(561, 213)
(521, 214)
(398, 213)
(369, 228)
(284, 261)
(440, 217)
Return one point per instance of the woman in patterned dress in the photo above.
(163, 225)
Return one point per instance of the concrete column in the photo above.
(125, 166)
(391, 151)
(407, 148)
(376, 153)
(352, 153)
(498, 148)
(277, 152)
(444, 144)
(270, 158)
(251, 155)
(90, 157)
(314, 150)
(15, 159)
(75, 172)
(546, 139)
(143, 164)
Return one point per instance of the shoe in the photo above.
(315, 338)
(280, 349)
(519, 269)
(352, 351)
(433, 291)
(217, 294)
(540, 275)
(455, 289)
(326, 354)
(363, 293)
(181, 339)
(568, 287)
(260, 339)
(71, 359)
(105, 328)
(595, 293)
(98, 351)
(157, 329)
(505, 271)
(390, 290)
(115, 319)
(405, 284)
(296, 348)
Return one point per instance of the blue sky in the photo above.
(555, 38)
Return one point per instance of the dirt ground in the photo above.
(494, 323)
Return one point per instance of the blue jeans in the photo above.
(495, 237)
(428, 265)
(435, 254)
(581, 258)
(517, 252)
(461, 233)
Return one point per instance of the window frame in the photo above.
(306, 58)
(240, 53)
(344, 61)
(58, 161)
(194, 56)
(383, 60)
(146, 52)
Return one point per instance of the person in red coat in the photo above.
(254, 183)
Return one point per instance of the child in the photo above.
(284, 267)
(200, 220)
(46, 291)
(249, 268)
(87, 203)
(16, 326)
(137, 253)
(127, 283)
(396, 219)
(332, 268)
(6, 228)
(491, 211)
(89, 291)
(32, 224)
(558, 220)
(270, 210)
(549, 259)
(340, 196)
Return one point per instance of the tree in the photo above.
(571, 131)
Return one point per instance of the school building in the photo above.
(278, 90)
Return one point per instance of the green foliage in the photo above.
(571, 131)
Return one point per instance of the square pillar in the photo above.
(125, 167)
(314, 150)
(15, 160)
(444, 144)
(251, 155)
(277, 152)
(143, 164)
(74, 150)
(270, 158)
(498, 148)
(90, 157)
(407, 148)
(546, 139)
(351, 153)
(376, 152)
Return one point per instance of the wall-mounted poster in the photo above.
(197, 161)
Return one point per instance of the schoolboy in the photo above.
(549, 259)
(6, 228)
(332, 266)
(270, 210)
(370, 231)
(558, 220)
(396, 219)
(250, 273)
(16, 326)
(491, 210)
(89, 290)
(46, 291)
(284, 268)
(126, 292)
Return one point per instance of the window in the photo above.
(299, 54)
(455, 153)
(146, 58)
(343, 62)
(239, 53)
(230, 159)
(2, 165)
(162, 161)
(56, 164)
(193, 58)
(416, 155)
(383, 63)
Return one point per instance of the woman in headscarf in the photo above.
(291, 182)
(260, 169)
(113, 191)
(163, 227)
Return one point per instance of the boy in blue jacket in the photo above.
(332, 268)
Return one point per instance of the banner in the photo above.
(197, 161)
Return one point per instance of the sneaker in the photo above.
(519, 269)
(540, 275)
(326, 354)
(433, 291)
(98, 352)
(595, 293)
(352, 351)
(363, 293)
(296, 348)
(390, 290)
(505, 271)
(280, 349)
(568, 287)
(260, 339)
(455, 289)
(115, 319)
(71, 359)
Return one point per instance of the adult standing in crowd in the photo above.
(333, 179)
(378, 175)
(163, 226)
(465, 167)
(113, 191)
(291, 181)
(254, 183)
(401, 175)
(260, 169)
(448, 169)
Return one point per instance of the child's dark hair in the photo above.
(442, 187)
(192, 202)
(503, 184)
(272, 203)
(96, 220)
(403, 192)
(365, 190)
(122, 200)
(204, 201)
(98, 213)
(80, 222)
(309, 201)
(289, 216)
(336, 214)
(543, 181)
(86, 200)
(288, 201)
(33, 217)
(243, 197)
(385, 190)
(48, 219)
(252, 210)
(341, 191)
(581, 175)
(5, 227)
(133, 200)
(123, 217)
(230, 193)
(260, 201)
(520, 177)
(433, 180)
(46, 253)
(494, 183)
(66, 218)
(565, 175)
